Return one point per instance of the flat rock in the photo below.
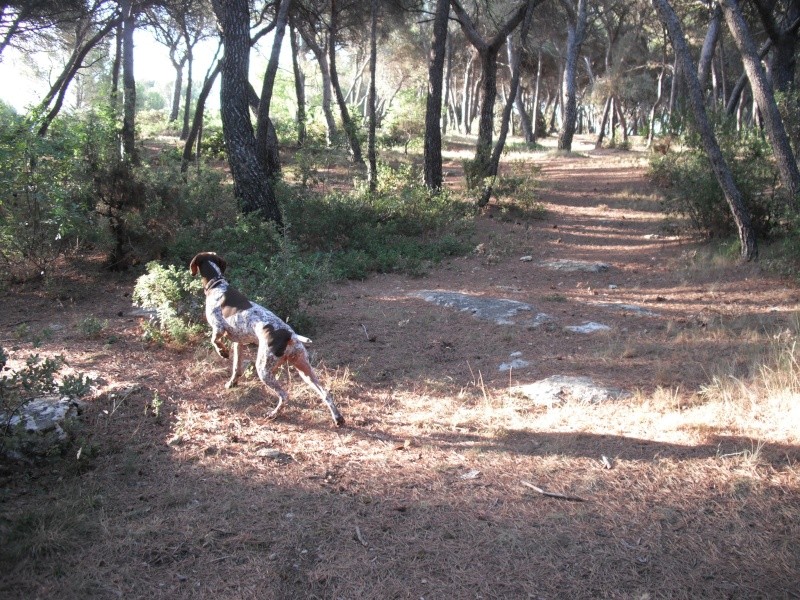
(558, 389)
(39, 427)
(627, 308)
(588, 327)
(497, 310)
(564, 264)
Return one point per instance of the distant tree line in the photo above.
(612, 68)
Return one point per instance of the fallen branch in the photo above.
(552, 494)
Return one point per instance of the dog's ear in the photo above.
(219, 260)
(194, 265)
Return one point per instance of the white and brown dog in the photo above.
(232, 315)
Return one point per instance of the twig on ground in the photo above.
(370, 338)
(553, 494)
(360, 537)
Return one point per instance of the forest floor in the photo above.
(689, 487)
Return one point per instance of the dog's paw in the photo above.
(229, 384)
(339, 420)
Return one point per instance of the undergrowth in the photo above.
(401, 227)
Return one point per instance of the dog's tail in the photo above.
(303, 339)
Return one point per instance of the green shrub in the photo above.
(175, 296)
(46, 206)
(402, 227)
(691, 190)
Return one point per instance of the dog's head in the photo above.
(209, 265)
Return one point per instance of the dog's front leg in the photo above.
(237, 366)
(216, 341)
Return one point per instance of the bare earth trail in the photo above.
(422, 494)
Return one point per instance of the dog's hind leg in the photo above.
(299, 360)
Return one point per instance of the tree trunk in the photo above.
(59, 89)
(187, 109)
(741, 217)
(347, 123)
(197, 122)
(263, 138)
(601, 133)
(762, 93)
(325, 72)
(709, 44)
(299, 88)
(536, 94)
(372, 170)
(524, 117)
(487, 53)
(576, 33)
(506, 117)
(433, 110)
(251, 183)
(177, 93)
(673, 92)
(128, 84)
(116, 67)
(466, 102)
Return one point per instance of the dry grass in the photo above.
(183, 489)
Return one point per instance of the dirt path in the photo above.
(601, 210)
(184, 490)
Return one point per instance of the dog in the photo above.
(230, 314)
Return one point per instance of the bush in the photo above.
(691, 189)
(46, 183)
(176, 299)
(402, 227)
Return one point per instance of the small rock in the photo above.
(268, 453)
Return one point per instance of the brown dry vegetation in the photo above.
(183, 489)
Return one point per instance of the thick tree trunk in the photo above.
(433, 109)
(747, 238)
(783, 35)
(251, 183)
(773, 123)
(575, 35)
